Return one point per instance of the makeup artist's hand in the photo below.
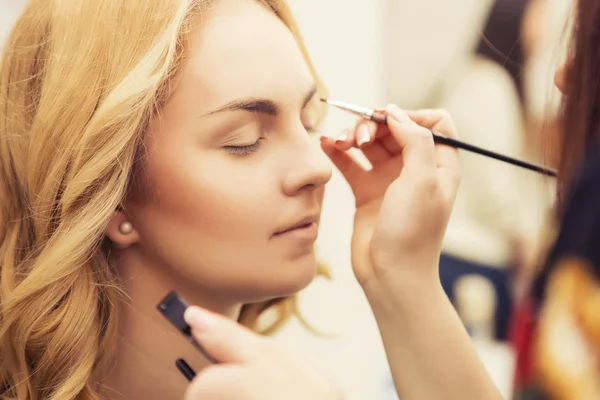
(249, 367)
(404, 202)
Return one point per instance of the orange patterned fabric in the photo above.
(561, 357)
(567, 342)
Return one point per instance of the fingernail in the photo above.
(342, 137)
(363, 136)
(396, 113)
(199, 319)
(372, 126)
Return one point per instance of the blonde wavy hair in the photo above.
(79, 83)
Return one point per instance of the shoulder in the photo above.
(579, 232)
(579, 229)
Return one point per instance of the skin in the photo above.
(209, 228)
(559, 77)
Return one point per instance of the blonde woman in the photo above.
(157, 145)
(147, 146)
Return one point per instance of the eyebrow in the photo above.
(259, 105)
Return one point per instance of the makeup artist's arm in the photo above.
(403, 206)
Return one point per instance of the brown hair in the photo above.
(581, 103)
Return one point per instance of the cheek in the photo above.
(217, 199)
(214, 231)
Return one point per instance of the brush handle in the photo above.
(381, 118)
(474, 149)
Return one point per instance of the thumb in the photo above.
(223, 340)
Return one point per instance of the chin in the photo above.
(301, 274)
(292, 287)
(291, 277)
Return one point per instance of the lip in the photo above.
(306, 234)
(302, 225)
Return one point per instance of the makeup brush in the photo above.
(381, 118)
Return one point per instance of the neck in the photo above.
(148, 344)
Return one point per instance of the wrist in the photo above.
(403, 289)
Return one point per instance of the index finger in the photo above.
(224, 340)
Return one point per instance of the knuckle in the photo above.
(424, 134)
(441, 114)
(453, 178)
(424, 138)
(429, 184)
(447, 123)
(457, 174)
(456, 178)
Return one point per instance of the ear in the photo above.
(120, 230)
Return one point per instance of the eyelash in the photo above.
(253, 148)
(243, 150)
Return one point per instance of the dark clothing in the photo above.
(453, 268)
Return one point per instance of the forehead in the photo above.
(242, 49)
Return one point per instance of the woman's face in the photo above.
(231, 166)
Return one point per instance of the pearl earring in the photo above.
(125, 228)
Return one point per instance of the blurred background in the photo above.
(491, 64)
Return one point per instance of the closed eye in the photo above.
(243, 150)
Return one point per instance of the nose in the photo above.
(559, 77)
(309, 168)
